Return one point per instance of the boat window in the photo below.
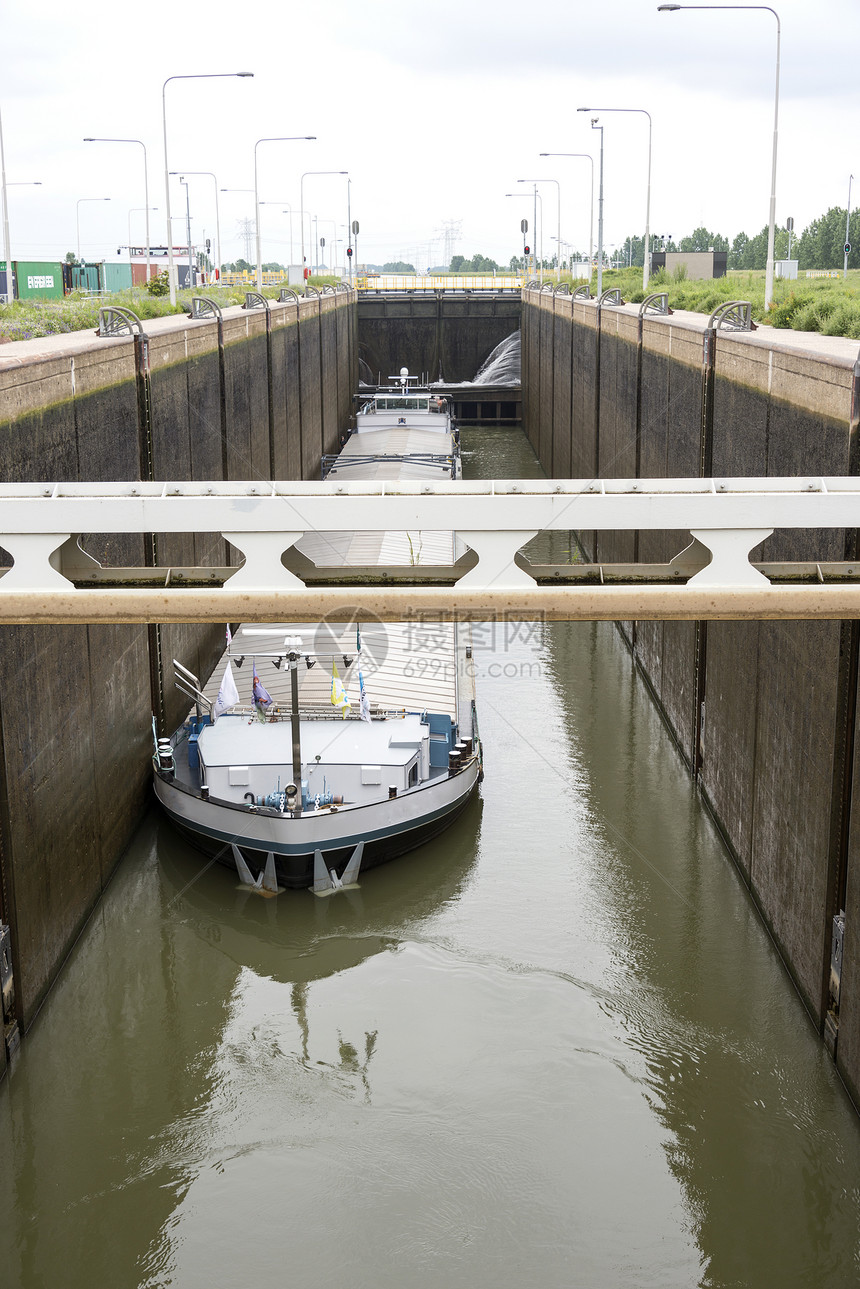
(401, 404)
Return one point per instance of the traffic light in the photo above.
(349, 251)
(526, 250)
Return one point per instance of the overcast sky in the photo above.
(435, 110)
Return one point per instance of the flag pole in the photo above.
(296, 727)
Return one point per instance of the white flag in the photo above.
(364, 701)
(228, 694)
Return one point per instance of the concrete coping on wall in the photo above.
(838, 351)
(70, 344)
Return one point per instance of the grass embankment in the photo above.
(827, 305)
(27, 319)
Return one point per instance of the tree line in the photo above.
(819, 246)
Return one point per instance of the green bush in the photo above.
(159, 285)
(839, 320)
(806, 318)
(783, 312)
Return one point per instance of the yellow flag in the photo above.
(338, 693)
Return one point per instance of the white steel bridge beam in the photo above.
(50, 578)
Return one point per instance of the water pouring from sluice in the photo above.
(502, 366)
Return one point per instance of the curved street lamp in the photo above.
(78, 217)
(671, 8)
(588, 157)
(194, 76)
(595, 126)
(37, 183)
(286, 209)
(646, 257)
(137, 210)
(217, 212)
(24, 183)
(145, 189)
(558, 208)
(290, 138)
(302, 208)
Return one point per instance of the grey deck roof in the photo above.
(405, 665)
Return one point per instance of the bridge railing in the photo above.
(52, 578)
(439, 282)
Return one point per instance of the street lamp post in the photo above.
(310, 217)
(194, 76)
(78, 217)
(136, 210)
(302, 208)
(333, 223)
(558, 207)
(646, 252)
(186, 186)
(211, 176)
(563, 249)
(290, 138)
(7, 248)
(847, 229)
(586, 156)
(670, 8)
(349, 226)
(145, 189)
(595, 126)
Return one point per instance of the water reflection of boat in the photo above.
(300, 942)
(292, 792)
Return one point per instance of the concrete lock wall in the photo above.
(255, 396)
(764, 713)
(445, 335)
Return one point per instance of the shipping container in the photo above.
(39, 281)
(84, 277)
(138, 272)
(117, 277)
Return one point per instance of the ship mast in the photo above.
(296, 726)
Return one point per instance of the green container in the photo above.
(39, 281)
(117, 277)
